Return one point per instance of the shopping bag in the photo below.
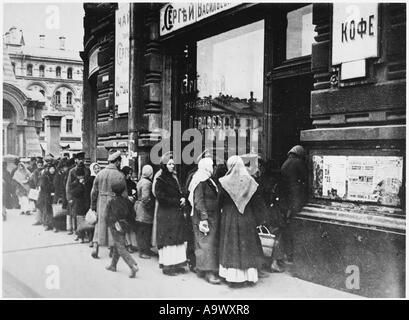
(91, 217)
(33, 194)
(83, 225)
(267, 239)
(58, 210)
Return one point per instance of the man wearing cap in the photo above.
(101, 194)
(72, 175)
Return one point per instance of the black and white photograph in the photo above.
(203, 151)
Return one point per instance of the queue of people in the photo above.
(208, 224)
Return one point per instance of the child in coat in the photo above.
(120, 215)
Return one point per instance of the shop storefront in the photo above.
(275, 75)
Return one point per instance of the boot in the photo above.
(134, 270)
(111, 268)
(275, 267)
(211, 278)
(94, 253)
(111, 252)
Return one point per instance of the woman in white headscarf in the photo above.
(205, 219)
(240, 248)
(22, 176)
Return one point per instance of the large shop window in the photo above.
(300, 32)
(230, 80)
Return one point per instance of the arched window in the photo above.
(69, 73)
(57, 97)
(29, 70)
(41, 70)
(69, 98)
(58, 72)
(42, 92)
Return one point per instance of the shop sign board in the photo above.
(174, 16)
(354, 32)
(354, 178)
(122, 26)
(93, 62)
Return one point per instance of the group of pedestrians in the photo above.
(208, 223)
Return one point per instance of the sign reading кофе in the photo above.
(354, 32)
(174, 16)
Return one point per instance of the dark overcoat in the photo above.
(171, 228)
(294, 180)
(205, 208)
(240, 246)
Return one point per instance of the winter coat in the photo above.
(145, 204)
(72, 175)
(206, 208)
(101, 194)
(60, 181)
(120, 209)
(239, 245)
(170, 219)
(294, 180)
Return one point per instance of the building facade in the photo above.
(326, 76)
(55, 74)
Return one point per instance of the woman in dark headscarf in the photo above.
(240, 248)
(171, 235)
(45, 200)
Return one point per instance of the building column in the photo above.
(52, 133)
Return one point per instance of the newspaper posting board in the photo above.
(355, 178)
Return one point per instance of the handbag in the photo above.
(33, 194)
(58, 210)
(267, 239)
(91, 217)
(83, 225)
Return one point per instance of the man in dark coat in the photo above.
(294, 180)
(72, 176)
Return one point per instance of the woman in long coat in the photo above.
(144, 207)
(205, 220)
(45, 199)
(171, 235)
(240, 248)
(22, 176)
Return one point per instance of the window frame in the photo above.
(41, 71)
(69, 94)
(29, 70)
(69, 73)
(58, 72)
(69, 124)
(57, 94)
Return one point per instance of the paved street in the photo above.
(28, 251)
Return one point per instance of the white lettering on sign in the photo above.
(354, 32)
(175, 16)
(122, 16)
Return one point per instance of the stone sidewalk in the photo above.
(44, 264)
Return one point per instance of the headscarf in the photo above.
(203, 173)
(91, 168)
(21, 175)
(297, 150)
(238, 183)
(147, 172)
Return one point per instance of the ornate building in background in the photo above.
(54, 76)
